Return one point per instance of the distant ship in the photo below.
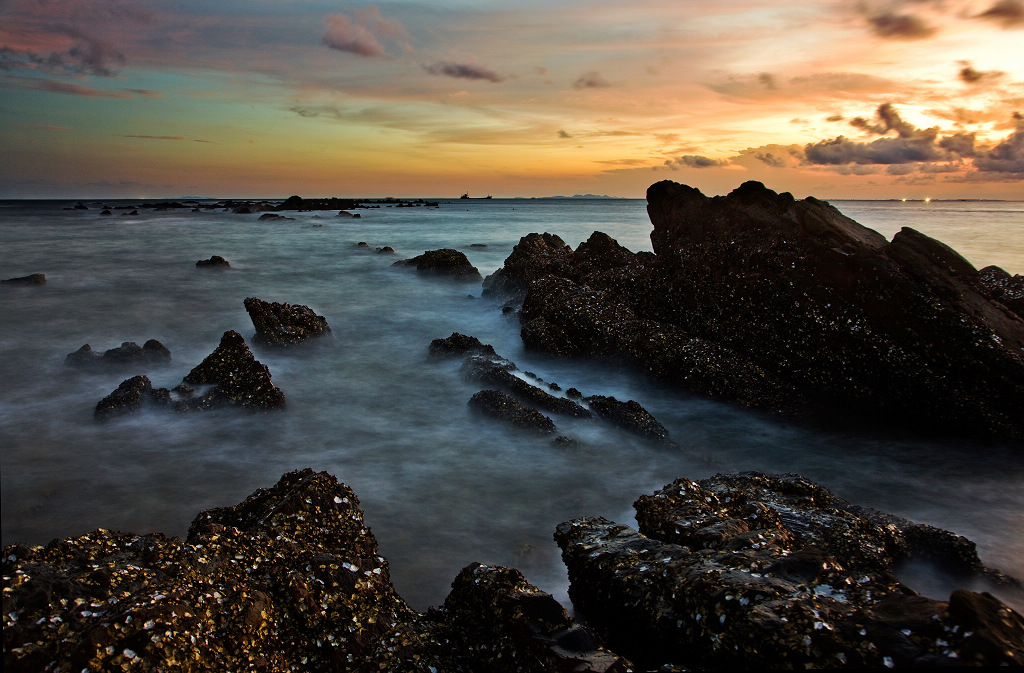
(466, 196)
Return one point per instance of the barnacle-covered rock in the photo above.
(629, 415)
(785, 305)
(128, 353)
(758, 571)
(280, 324)
(239, 379)
(129, 397)
(508, 410)
(444, 262)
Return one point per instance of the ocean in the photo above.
(440, 486)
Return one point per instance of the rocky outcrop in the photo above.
(32, 279)
(1004, 288)
(130, 397)
(298, 203)
(784, 305)
(765, 572)
(284, 324)
(128, 353)
(289, 579)
(445, 262)
(507, 409)
(215, 262)
(237, 377)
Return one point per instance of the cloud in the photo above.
(54, 86)
(591, 80)
(900, 26)
(363, 33)
(1007, 157)
(769, 86)
(146, 137)
(969, 75)
(911, 145)
(562, 133)
(463, 71)
(87, 55)
(774, 156)
(1008, 12)
(694, 161)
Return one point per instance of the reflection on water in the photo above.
(441, 488)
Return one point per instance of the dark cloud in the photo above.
(961, 144)
(969, 75)
(1007, 157)
(564, 134)
(834, 118)
(900, 26)
(694, 161)
(591, 80)
(911, 145)
(88, 55)
(463, 71)
(1008, 12)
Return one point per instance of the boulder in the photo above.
(129, 398)
(298, 203)
(788, 306)
(508, 410)
(32, 279)
(755, 571)
(459, 345)
(284, 324)
(445, 262)
(237, 377)
(215, 262)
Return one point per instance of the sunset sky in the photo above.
(225, 98)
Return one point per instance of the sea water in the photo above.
(440, 486)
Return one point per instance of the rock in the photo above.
(129, 398)
(32, 279)
(629, 415)
(284, 324)
(784, 305)
(239, 379)
(487, 371)
(508, 410)
(128, 353)
(386, 250)
(273, 216)
(444, 262)
(1007, 289)
(459, 345)
(215, 261)
(362, 244)
(299, 203)
(757, 571)
(535, 256)
(242, 210)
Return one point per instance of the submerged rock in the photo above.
(32, 279)
(284, 324)
(444, 262)
(128, 353)
(129, 398)
(787, 306)
(757, 571)
(629, 415)
(510, 411)
(215, 262)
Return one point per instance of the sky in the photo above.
(267, 98)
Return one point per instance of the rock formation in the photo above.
(215, 262)
(444, 262)
(32, 279)
(284, 324)
(784, 305)
(762, 572)
(239, 379)
(129, 397)
(128, 353)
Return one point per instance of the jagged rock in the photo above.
(459, 344)
(128, 353)
(788, 306)
(491, 373)
(333, 203)
(239, 379)
(289, 579)
(1007, 289)
(284, 324)
(129, 398)
(32, 279)
(444, 262)
(754, 571)
(508, 410)
(629, 415)
(215, 261)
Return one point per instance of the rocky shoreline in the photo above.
(750, 571)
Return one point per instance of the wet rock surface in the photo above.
(129, 397)
(31, 279)
(444, 262)
(216, 261)
(757, 571)
(509, 410)
(289, 579)
(285, 324)
(128, 353)
(237, 377)
(788, 306)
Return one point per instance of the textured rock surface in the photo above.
(32, 279)
(290, 579)
(444, 262)
(284, 324)
(787, 306)
(239, 379)
(756, 571)
(128, 353)
(129, 398)
(508, 410)
(216, 261)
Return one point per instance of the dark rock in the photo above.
(106, 211)
(299, 203)
(508, 410)
(129, 398)
(242, 210)
(1004, 288)
(284, 324)
(459, 345)
(572, 392)
(444, 262)
(755, 571)
(273, 216)
(386, 250)
(215, 261)
(495, 374)
(362, 244)
(787, 306)
(629, 415)
(128, 353)
(239, 379)
(32, 279)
